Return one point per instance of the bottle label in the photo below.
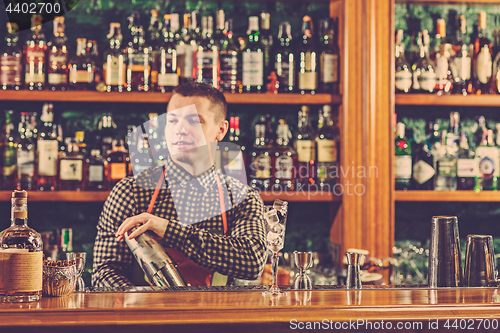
(206, 59)
(168, 80)
(21, 271)
(462, 67)
(427, 81)
(483, 65)
(229, 68)
(305, 150)
(58, 59)
(35, 64)
(466, 167)
(80, 76)
(10, 72)
(422, 172)
(47, 157)
(55, 78)
(285, 71)
(262, 166)
(138, 63)
(447, 168)
(185, 58)
(329, 72)
(71, 170)
(96, 173)
(442, 80)
(327, 151)
(403, 80)
(403, 166)
(118, 171)
(487, 160)
(9, 161)
(114, 71)
(284, 167)
(26, 162)
(235, 160)
(253, 68)
(308, 80)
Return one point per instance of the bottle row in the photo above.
(38, 158)
(450, 65)
(170, 55)
(446, 160)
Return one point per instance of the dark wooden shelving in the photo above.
(448, 196)
(153, 97)
(449, 100)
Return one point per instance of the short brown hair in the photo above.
(215, 96)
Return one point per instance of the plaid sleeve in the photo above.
(112, 259)
(242, 254)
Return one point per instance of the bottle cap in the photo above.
(19, 194)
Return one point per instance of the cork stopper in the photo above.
(482, 20)
(19, 194)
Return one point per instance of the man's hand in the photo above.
(146, 222)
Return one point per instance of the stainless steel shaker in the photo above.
(158, 266)
(479, 261)
(445, 264)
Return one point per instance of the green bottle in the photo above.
(403, 159)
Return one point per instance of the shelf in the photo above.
(452, 196)
(449, 100)
(441, 2)
(100, 196)
(154, 97)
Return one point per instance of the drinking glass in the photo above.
(275, 217)
(79, 258)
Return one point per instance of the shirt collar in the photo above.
(176, 175)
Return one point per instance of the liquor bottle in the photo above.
(423, 168)
(8, 154)
(114, 69)
(253, 59)
(482, 58)
(168, 77)
(444, 75)
(233, 153)
(480, 131)
(424, 76)
(22, 248)
(445, 164)
(155, 41)
(305, 146)
(105, 133)
(327, 143)
(25, 155)
(403, 78)
(307, 57)
(185, 51)
(81, 142)
(454, 128)
(96, 172)
(81, 70)
(412, 51)
(229, 62)
(206, 56)
(403, 159)
(284, 61)
(433, 135)
(466, 165)
(58, 57)
(142, 157)
(463, 60)
(329, 64)
(47, 151)
(95, 60)
(11, 60)
(487, 156)
(266, 40)
(138, 57)
(66, 242)
(34, 56)
(71, 168)
(285, 159)
(118, 163)
(439, 39)
(260, 170)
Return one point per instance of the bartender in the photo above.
(210, 223)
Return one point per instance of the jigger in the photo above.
(353, 280)
(479, 261)
(445, 263)
(303, 261)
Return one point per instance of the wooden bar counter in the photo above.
(366, 310)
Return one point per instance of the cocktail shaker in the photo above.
(159, 267)
(479, 261)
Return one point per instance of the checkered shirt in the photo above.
(192, 206)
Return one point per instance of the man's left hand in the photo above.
(146, 222)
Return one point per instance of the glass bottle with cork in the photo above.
(308, 59)
(284, 61)
(329, 58)
(22, 248)
(34, 56)
(58, 56)
(253, 59)
(81, 69)
(11, 60)
(114, 68)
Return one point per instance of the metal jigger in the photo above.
(303, 261)
(353, 280)
(445, 263)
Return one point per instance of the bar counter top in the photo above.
(242, 311)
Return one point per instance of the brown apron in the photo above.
(194, 274)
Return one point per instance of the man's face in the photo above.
(190, 128)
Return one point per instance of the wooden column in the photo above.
(366, 113)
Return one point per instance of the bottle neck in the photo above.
(81, 49)
(19, 212)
